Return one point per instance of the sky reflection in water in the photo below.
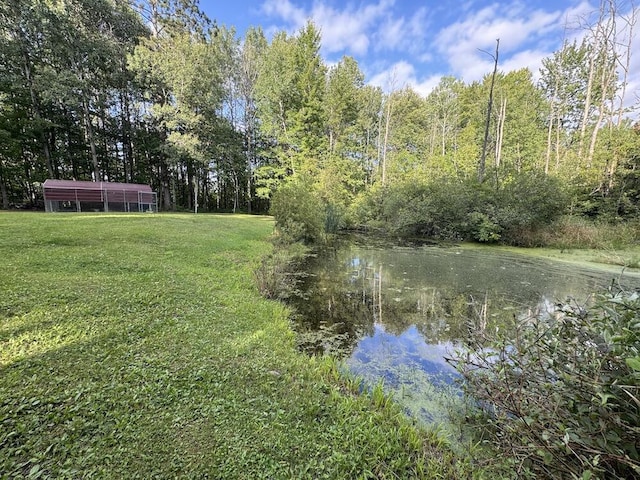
(393, 314)
(407, 349)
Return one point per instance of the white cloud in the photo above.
(285, 10)
(404, 34)
(391, 34)
(403, 74)
(346, 30)
(465, 42)
(389, 39)
(531, 59)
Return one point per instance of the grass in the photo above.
(583, 240)
(138, 346)
(580, 240)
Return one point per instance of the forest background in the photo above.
(154, 92)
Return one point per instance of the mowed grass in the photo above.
(138, 346)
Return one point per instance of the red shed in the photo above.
(75, 196)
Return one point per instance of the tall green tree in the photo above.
(344, 169)
(407, 145)
(518, 123)
(25, 36)
(178, 65)
(290, 92)
(444, 111)
(62, 68)
(250, 58)
(342, 102)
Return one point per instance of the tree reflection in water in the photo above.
(393, 313)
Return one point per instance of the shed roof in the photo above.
(108, 186)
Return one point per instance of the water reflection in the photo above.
(409, 348)
(394, 313)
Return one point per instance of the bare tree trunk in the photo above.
(90, 138)
(35, 105)
(165, 188)
(549, 137)
(432, 137)
(607, 77)
(379, 141)
(236, 191)
(606, 48)
(3, 189)
(483, 157)
(500, 130)
(386, 140)
(205, 192)
(587, 105)
(558, 145)
(554, 115)
(250, 141)
(599, 44)
(127, 147)
(630, 21)
(196, 191)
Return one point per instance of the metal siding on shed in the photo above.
(83, 191)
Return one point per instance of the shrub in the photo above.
(366, 208)
(448, 208)
(483, 229)
(562, 395)
(299, 212)
(529, 201)
(436, 209)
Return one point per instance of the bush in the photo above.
(436, 209)
(562, 395)
(529, 201)
(299, 212)
(448, 208)
(366, 208)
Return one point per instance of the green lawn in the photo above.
(138, 346)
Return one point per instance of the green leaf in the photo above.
(33, 473)
(633, 363)
(604, 397)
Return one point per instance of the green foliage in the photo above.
(299, 212)
(451, 209)
(562, 398)
(569, 232)
(437, 209)
(290, 89)
(483, 228)
(153, 92)
(366, 208)
(276, 276)
(528, 201)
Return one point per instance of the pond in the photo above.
(395, 313)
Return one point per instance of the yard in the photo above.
(138, 346)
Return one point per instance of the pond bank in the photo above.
(629, 257)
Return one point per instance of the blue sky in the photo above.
(413, 42)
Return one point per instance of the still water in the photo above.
(394, 314)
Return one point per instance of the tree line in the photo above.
(155, 92)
